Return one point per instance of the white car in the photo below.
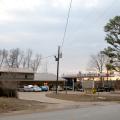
(28, 89)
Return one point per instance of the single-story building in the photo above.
(48, 78)
(16, 74)
(72, 81)
(42, 79)
(75, 80)
(12, 77)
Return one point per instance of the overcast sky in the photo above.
(39, 25)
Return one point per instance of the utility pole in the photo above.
(57, 59)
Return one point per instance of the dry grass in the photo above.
(84, 97)
(13, 104)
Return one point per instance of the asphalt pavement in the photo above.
(107, 112)
(41, 97)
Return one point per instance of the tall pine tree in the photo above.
(112, 29)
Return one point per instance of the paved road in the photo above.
(59, 104)
(41, 96)
(109, 112)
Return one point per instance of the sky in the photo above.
(39, 25)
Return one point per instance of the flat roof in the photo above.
(16, 70)
(46, 77)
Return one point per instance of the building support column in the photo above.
(73, 84)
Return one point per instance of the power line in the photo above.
(67, 21)
(48, 56)
(66, 25)
(99, 17)
(65, 30)
(57, 58)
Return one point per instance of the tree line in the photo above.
(17, 58)
(109, 58)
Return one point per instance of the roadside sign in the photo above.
(88, 84)
(94, 91)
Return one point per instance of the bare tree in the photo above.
(24, 61)
(98, 62)
(29, 57)
(3, 54)
(1, 58)
(36, 62)
(14, 58)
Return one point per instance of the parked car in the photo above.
(108, 88)
(105, 89)
(28, 89)
(21, 89)
(59, 88)
(100, 89)
(37, 89)
(68, 87)
(112, 88)
(80, 89)
(53, 88)
(44, 88)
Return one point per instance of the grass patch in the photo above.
(14, 104)
(84, 97)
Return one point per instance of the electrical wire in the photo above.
(67, 21)
(98, 18)
(66, 25)
(48, 56)
(65, 30)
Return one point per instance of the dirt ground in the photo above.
(13, 104)
(29, 102)
(86, 97)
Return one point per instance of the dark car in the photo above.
(108, 88)
(44, 88)
(80, 89)
(68, 87)
(100, 89)
(105, 89)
